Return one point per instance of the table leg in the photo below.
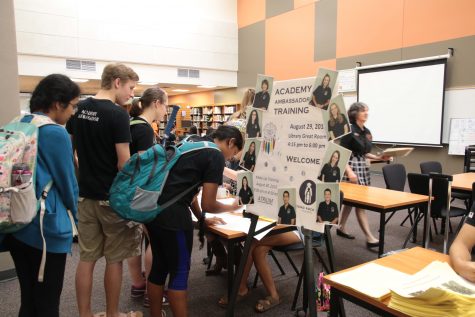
(382, 226)
(230, 266)
(425, 232)
(335, 301)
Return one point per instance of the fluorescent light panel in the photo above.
(180, 90)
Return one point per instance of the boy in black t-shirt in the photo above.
(101, 135)
(286, 211)
(327, 210)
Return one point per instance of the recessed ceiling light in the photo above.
(79, 80)
(206, 86)
(180, 90)
(146, 83)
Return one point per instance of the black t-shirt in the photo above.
(359, 141)
(198, 167)
(330, 174)
(327, 212)
(142, 134)
(97, 126)
(337, 128)
(286, 214)
(249, 160)
(252, 129)
(261, 100)
(246, 195)
(471, 217)
(322, 95)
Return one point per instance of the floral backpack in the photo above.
(18, 156)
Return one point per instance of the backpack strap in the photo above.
(178, 197)
(43, 197)
(135, 122)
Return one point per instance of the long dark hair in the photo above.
(228, 133)
(249, 122)
(53, 88)
(148, 97)
(253, 153)
(242, 182)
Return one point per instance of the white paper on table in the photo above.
(238, 223)
(371, 279)
(437, 275)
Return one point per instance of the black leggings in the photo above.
(171, 254)
(38, 299)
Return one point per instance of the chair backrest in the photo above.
(469, 159)
(394, 176)
(431, 167)
(419, 184)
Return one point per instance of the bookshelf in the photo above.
(213, 116)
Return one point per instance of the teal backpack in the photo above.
(137, 187)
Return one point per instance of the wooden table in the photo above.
(380, 200)
(410, 261)
(232, 238)
(463, 182)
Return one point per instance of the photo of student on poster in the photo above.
(323, 88)
(336, 119)
(328, 200)
(254, 123)
(251, 152)
(263, 92)
(287, 203)
(335, 160)
(244, 188)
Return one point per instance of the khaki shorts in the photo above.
(103, 233)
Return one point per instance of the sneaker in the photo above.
(146, 301)
(137, 291)
(165, 301)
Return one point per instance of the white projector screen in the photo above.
(406, 102)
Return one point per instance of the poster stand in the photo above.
(245, 253)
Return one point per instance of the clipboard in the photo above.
(398, 151)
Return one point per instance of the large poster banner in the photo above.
(293, 145)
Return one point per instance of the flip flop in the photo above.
(266, 304)
(223, 301)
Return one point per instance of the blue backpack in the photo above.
(137, 187)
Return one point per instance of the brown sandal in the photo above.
(223, 301)
(264, 305)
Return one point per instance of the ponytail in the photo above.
(148, 97)
(136, 108)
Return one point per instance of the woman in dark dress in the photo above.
(337, 125)
(245, 194)
(359, 142)
(249, 161)
(253, 130)
(321, 96)
(330, 171)
(262, 98)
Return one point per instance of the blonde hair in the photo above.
(113, 71)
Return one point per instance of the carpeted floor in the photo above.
(204, 292)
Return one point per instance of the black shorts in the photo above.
(171, 251)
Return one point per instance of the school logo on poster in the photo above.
(307, 192)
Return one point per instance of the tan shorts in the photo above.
(103, 233)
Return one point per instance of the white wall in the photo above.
(199, 34)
